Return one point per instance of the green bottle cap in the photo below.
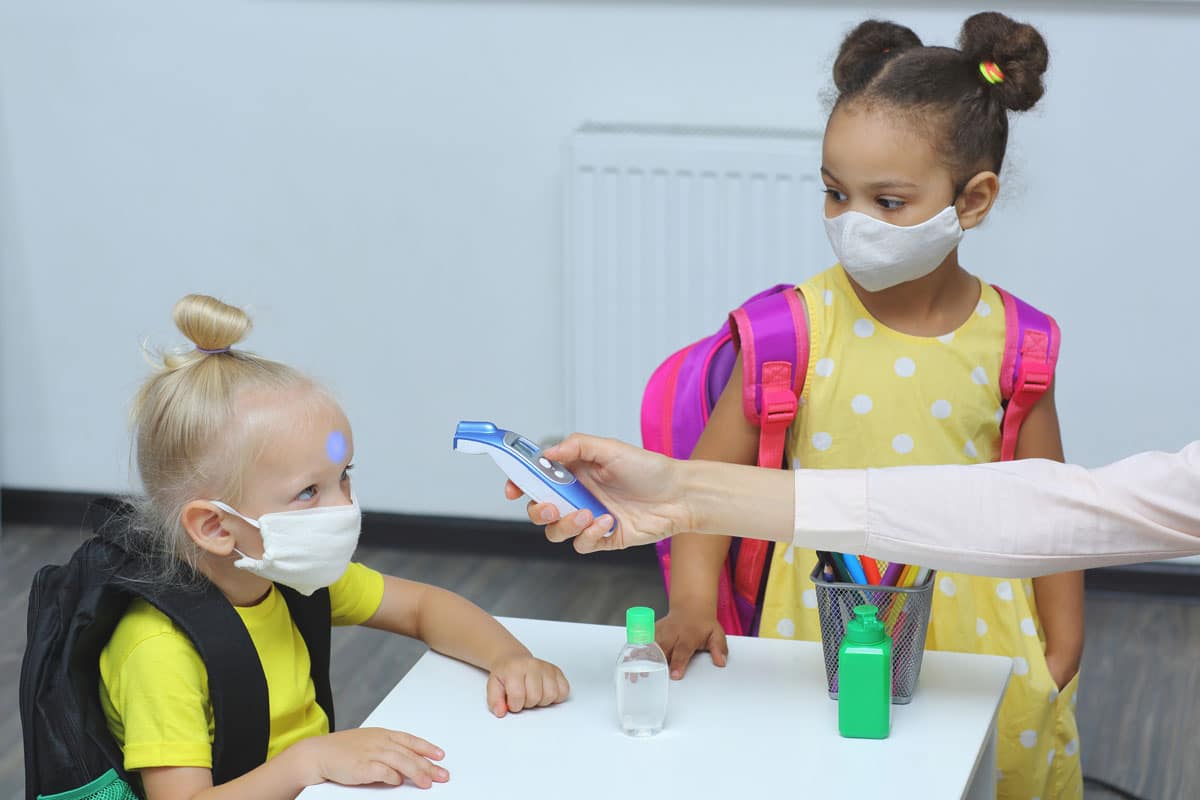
(865, 628)
(639, 625)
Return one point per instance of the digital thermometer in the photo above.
(522, 461)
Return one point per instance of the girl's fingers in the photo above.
(417, 745)
(496, 701)
(533, 689)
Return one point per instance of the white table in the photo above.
(763, 726)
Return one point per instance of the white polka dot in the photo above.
(1028, 628)
(861, 404)
(999, 415)
(905, 367)
(1053, 695)
(1072, 747)
(786, 628)
(1004, 590)
(824, 367)
(822, 441)
(903, 444)
(970, 449)
(1020, 666)
(941, 409)
(863, 328)
(947, 586)
(1029, 590)
(829, 297)
(947, 339)
(983, 309)
(1028, 738)
(1049, 758)
(789, 555)
(809, 598)
(980, 626)
(979, 375)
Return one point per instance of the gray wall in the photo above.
(380, 183)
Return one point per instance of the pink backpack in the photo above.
(771, 331)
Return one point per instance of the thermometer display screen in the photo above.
(526, 448)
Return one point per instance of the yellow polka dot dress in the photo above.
(875, 397)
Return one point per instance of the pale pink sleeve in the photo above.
(1014, 519)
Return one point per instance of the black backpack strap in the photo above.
(237, 686)
(313, 618)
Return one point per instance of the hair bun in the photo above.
(866, 48)
(210, 324)
(1017, 48)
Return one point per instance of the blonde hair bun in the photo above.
(211, 325)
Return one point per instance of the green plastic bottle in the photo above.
(865, 677)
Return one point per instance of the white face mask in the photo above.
(879, 255)
(307, 549)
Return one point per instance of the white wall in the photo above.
(380, 182)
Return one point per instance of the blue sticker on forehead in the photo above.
(335, 446)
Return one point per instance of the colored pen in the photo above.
(854, 568)
(871, 569)
(891, 575)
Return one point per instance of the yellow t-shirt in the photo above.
(154, 687)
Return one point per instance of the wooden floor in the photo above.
(1139, 706)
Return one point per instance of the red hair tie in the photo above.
(990, 72)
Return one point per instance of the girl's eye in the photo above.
(308, 494)
(835, 195)
(346, 472)
(890, 203)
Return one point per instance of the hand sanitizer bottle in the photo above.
(865, 677)
(642, 678)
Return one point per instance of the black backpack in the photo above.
(73, 610)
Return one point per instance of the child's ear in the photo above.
(976, 199)
(202, 521)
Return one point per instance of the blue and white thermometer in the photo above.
(522, 461)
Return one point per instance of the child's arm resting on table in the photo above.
(456, 627)
(1059, 597)
(353, 757)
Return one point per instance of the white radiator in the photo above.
(667, 230)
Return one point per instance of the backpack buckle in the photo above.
(778, 406)
(1035, 377)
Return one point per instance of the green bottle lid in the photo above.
(639, 625)
(865, 628)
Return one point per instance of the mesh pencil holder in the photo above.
(905, 615)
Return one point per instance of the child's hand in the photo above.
(686, 630)
(522, 681)
(371, 755)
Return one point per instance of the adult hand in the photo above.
(642, 489)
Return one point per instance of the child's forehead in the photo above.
(295, 425)
(874, 142)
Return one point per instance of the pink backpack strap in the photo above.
(1031, 346)
(771, 330)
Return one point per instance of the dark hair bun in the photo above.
(866, 48)
(1018, 49)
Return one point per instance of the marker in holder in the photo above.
(905, 615)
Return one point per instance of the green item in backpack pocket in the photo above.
(108, 786)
